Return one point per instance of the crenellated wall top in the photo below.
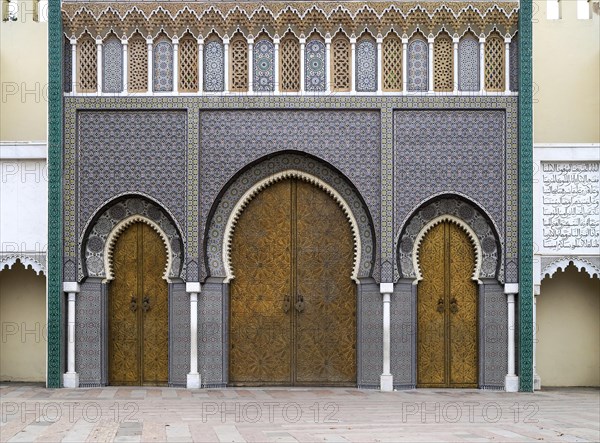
(124, 18)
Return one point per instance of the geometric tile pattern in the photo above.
(314, 65)
(514, 63)
(123, 152)
(112, 65)
(264, 66)
(214, 66)
(163, 66)
(418, 67)
(468, 63)
(460, 152)
(366, 66)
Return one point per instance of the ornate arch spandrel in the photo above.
(105, 226)
(484, 232)
(216, 239)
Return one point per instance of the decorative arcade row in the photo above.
(288, 65)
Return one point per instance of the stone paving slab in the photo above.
(138, 414)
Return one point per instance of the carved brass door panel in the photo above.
(138, 304)
(292, 301)
(447, 351)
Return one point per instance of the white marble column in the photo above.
(405, 64)
(302, 54)
(175, 65)
(353, 64)
(511, 381)
(507, 65)
(124, 43)
(455, 41)
(328, 68)
(481, 64)
(226, 64)
(250, 65)
(99, 86)
(71, 378)
(200, 65)
(537, 380)
(387, 379)
(430, 42)
(73, 42)
(193, 378)
(379, 66)
(150, 66)
(276, 64)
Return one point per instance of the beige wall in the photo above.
(566, 69)
(568, 317)
(23, 325)
(23, 77)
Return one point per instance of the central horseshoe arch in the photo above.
(250, 182)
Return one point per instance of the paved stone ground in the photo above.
(132, 414)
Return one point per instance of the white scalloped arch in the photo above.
(25, 260)
(581, 264)
(461, 224)
(119, 229)
(266, 182)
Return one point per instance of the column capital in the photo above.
(73, 41)
(455, 39)
(302, 40)
(200, 40)
(192, 287)
(404, 40)
(379, 40)
(511, 288)
(124, 40)
(353, 40)
(250, 40)
(71, 287)
(175, 40)
(431, 40)
(481, 39)
(507, 40)
(226, 40)
(276, 40)
(386, 288)
(98, 41)
(149, 40)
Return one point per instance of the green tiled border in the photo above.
(525, 201)
(54, 277)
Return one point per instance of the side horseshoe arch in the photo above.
(250, 182)
(480, 230)
(102, 233)
(462, 225)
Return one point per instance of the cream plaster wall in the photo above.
(23, 76)
(23, 325)
(23, 203)
(566, 76)
(568, 317)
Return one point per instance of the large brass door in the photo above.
(447, 352)
(292, 302)
(138, 299)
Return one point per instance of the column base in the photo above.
(511, 383)
(193, 380)
(387, 382)
(537, 382)
(71, 380)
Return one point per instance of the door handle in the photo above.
(300, 304)
(453, 305)
(440, 305)
(146, 304)
(286, 304)
(133, 304)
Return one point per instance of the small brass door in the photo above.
(292, 300)
(447, 352)
(138, 305)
